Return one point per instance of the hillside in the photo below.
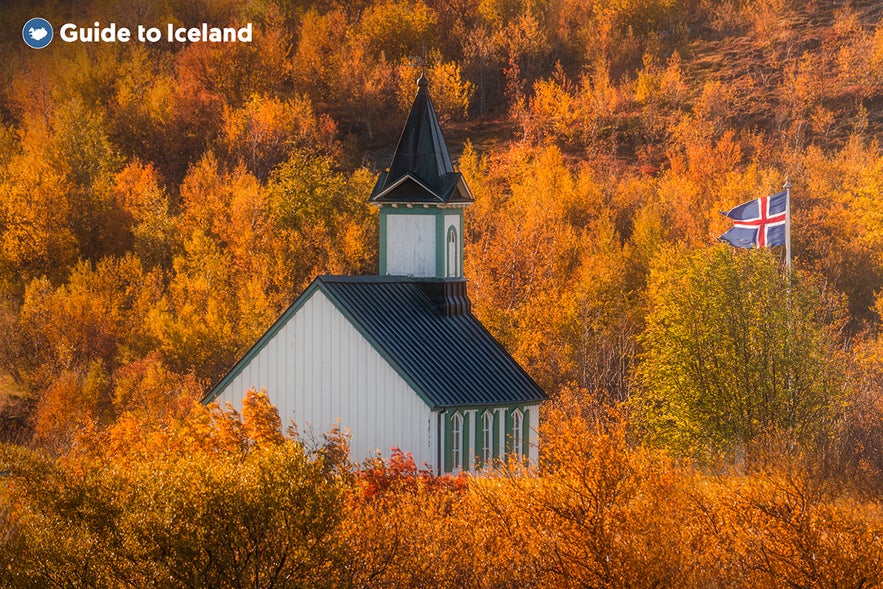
(144, 184)
(816, 52)
(715, 419)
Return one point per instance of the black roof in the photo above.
(450, 360)
(421, 169)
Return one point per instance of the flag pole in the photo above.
(787, 188)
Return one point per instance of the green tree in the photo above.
(733, 350)
(325, 221)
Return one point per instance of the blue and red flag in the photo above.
(761, 222)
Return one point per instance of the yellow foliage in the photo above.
(260, 420)
(397, 28)
(451, 94)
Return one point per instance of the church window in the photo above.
(456, 441)
(487, 439)
(517, 432)
(453, 255)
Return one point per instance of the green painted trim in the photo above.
(459, 233)
(479, 438)
(468, 443)
(465, 444)
(476, 442)
(525, 432)
(473, 443)
(499, 422)
(383, 237)
(446, 443)
(262, 342)
(495, 436)
(462, 244)
(510, 421)
(440, 245)
(448, 460)
(523, 405)
(414, 210)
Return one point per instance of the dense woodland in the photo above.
(714, 420)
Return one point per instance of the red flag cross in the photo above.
(761, 222)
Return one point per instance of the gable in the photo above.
(296, 349)
(320, 372)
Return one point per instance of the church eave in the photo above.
(454, 191)
(424, 190)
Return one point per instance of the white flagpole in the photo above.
(787, 188)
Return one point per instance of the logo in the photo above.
(37, 33)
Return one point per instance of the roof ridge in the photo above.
(364, 278)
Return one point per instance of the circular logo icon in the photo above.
(37, 33)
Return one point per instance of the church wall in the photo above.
(319, 369)
(472, 439)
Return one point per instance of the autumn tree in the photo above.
(837, 226)
(733, 350)
(598, 502)
(261, 132)
(36, 238)
(225, 283)
(180, 506)
(317, 205)
(317, 56)
(139, 194)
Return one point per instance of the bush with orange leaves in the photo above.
(215, 498)
(603, 511)
(211, 500)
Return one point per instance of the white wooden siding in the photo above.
(410, 245)
(318, 368)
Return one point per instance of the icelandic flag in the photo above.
(758, 223)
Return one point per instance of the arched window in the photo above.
(517, 433)
(487, 439)
(456, 441)
(453, 254)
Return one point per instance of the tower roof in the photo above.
(421, 169)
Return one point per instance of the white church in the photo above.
(398, 360)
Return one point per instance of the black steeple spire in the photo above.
(421, 169)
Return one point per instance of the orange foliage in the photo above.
(260, 420)
(160, 205)
(400, 474)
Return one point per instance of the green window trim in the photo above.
(517, 435)
(509, 435)
(456, 442)
(487, 438)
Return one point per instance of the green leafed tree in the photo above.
(734, 351)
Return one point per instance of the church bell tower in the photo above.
(421, 200)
